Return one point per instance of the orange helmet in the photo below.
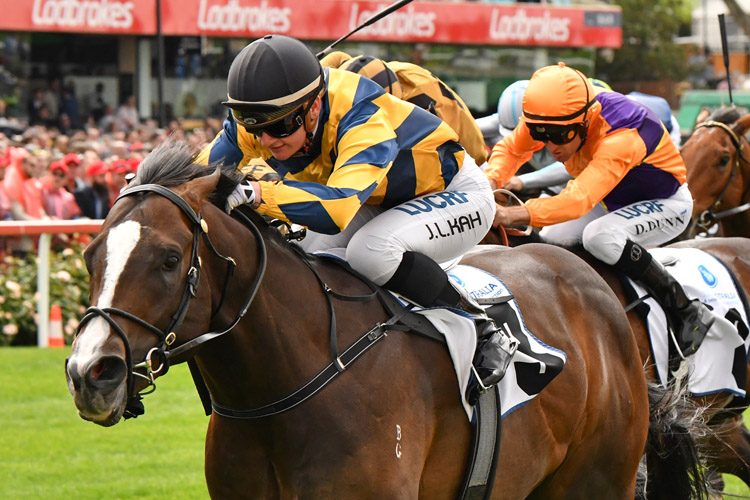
(558, 95)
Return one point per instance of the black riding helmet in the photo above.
(271, 78)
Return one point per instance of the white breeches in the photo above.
(442, 225)
(649, 223)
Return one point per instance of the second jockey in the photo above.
(629, 190)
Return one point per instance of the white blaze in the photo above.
(121, 241)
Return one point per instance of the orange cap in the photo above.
(557, 94)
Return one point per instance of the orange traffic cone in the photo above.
(55, 327)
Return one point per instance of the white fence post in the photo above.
(42, 287)
(45, 229)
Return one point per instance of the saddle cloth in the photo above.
(534, 364)
(720, 363)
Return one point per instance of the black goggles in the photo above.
(258, 123)
(556, 134)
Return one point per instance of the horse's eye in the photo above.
(171, 263)
(724, 160)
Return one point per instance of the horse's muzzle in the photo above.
(98, 388)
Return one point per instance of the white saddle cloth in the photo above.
(720, 363)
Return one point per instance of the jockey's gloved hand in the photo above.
(242, 194)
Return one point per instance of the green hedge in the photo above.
(69, 288)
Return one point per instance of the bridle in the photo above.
(401, 319)
(708, 217)
(163, 351)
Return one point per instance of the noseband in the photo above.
(707, 217)
(163, 351)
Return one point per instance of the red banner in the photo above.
(429, 22)
(80, 16)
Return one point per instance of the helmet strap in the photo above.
(308, 142)
(310, 134)
(583, 133)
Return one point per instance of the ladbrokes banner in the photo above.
(430, 22)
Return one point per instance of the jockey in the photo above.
(551, 174)
(629, 189)
(418, 86)
(365, 172)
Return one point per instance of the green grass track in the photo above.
(47, 452)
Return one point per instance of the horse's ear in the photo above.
(703, 114)
(741, 126)
(198, 189)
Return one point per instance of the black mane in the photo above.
(172, 164)
(726, 115)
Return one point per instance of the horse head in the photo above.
(145, 268)
(718, 168)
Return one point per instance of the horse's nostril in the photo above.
(98, 369)
(108, 370)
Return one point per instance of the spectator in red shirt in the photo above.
(22, 186)
(58, 202)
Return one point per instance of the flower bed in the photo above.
(68, 288)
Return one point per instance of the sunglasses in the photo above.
(556, 134)
(258, 123)
(58, 173)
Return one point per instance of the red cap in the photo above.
(71, 158)
(58, 165)
(133, 163)
(120, 167)
(136, 146)
(96, 168)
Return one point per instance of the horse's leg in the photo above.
(578, 440)
(596, 467)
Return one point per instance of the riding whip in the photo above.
(376, 17)
(725, 50)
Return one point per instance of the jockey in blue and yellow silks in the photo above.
(385, 152)
(364, 171)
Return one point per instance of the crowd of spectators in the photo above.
(58, 106)
(46, 173)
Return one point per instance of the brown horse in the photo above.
(727, 446)
(717, 156)
(158, 281)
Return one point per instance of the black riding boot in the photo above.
(692, 318)
(421, 280)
